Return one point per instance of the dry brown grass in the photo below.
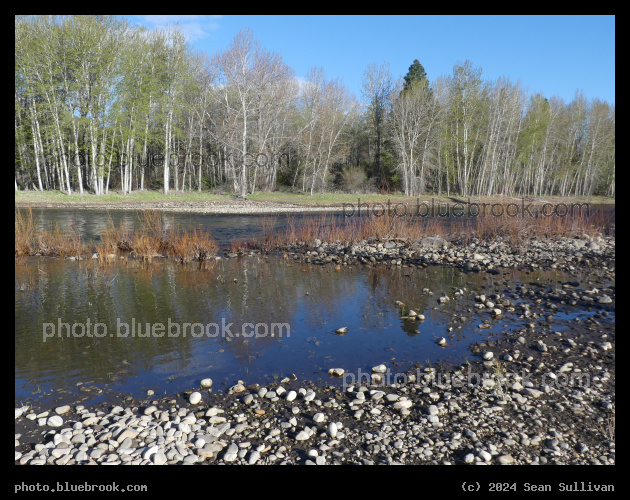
(348, 231)
(144, 243)
(53, 242)
(115, 238)
(152, 237)
(517, 230)
(50, 242)
(24, 233)
(188, 246)
(520, 230)
(76, 245)
(144, 246)
(270, 238)
(238, 246)
(152, 223)
(205, 245)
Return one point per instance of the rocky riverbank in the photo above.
(537, 405)
(200, 207)
(541, 393)
(567, 254)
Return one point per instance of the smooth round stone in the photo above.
(470, 458)
(505, 459)
(206, 383)
(150, 409)
(488, 355)
(229, 456)
(318, 417)
(332, 429)
(195, 398)
(55, 421)
(405, 404)
(376, 395)
(213, 411)
(62, 409)
(291, 395)
(302, 436)
(379, 369)
(150, 451)
(159, 458)
(205, 453)
(253, 457)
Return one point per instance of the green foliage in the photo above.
(353, 179)
(415, 75)
(100, 87)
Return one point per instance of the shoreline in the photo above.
(209, 207)
(427, 418)
(269, 203)
(524, 415)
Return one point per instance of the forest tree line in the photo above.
(101, 104)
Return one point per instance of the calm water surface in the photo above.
(54, 297)
(223, 227)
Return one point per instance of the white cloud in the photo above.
(194, 27)
(302, 82)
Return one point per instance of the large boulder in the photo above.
(433, 242)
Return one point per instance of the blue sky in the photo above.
(554, 55)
